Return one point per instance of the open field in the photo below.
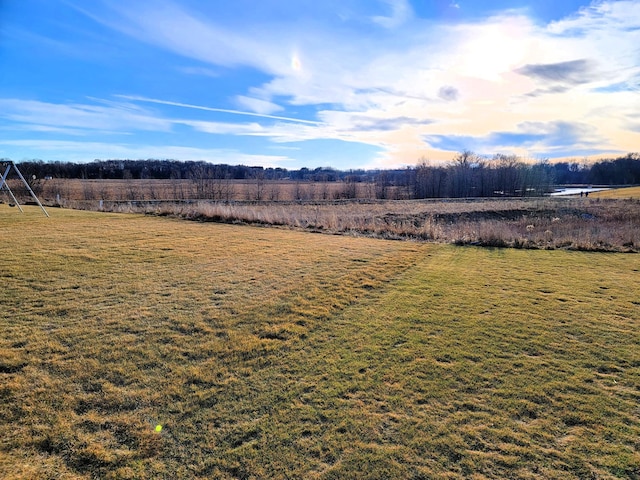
(275, 353)
(68, 191)
(610, 225)
(606, 221)
(71, 190)
(630, 192)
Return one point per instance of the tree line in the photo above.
(467, 175)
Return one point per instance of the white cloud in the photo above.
(90, 120)
(113, 118)
(599, 16)
(401, 12)
(84, 151)
(257, 105)
(213, 109)
(393, 87)
(206, 72)
(223, 128)
(169, 26)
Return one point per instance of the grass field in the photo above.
(630, 192)
(269, 353)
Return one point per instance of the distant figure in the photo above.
(586, 194)
(581, 193)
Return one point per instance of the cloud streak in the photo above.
(219, 110)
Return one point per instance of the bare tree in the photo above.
(462, 173)
(257, 175)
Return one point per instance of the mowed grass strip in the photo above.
(486, 363)
(272, 354)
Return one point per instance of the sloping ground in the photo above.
(265, 353)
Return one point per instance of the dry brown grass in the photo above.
(579, 224)
(619, 193)
(269, 353)
(115, 323)
(68, 191)
(606, 221)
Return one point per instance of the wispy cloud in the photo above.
(573, 72)
(203, 71)
(257, 105)
(213, 109)
(81, 117)
(599, 16)
(401, 11)
(167, 25)
(81, 151)
(534, 139)
(369, 73)
(448, 93)
(364, 123)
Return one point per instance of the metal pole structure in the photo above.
(4, 183)
(29, 188)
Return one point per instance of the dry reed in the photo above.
(592, 224)
(578, 224)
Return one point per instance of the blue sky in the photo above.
(308, 83)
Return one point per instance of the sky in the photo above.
(345, 84)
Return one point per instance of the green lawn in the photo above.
(268, 353)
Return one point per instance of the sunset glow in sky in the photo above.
(308, 83)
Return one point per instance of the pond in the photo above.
(576, 190)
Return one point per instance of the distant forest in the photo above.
(468, 175)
